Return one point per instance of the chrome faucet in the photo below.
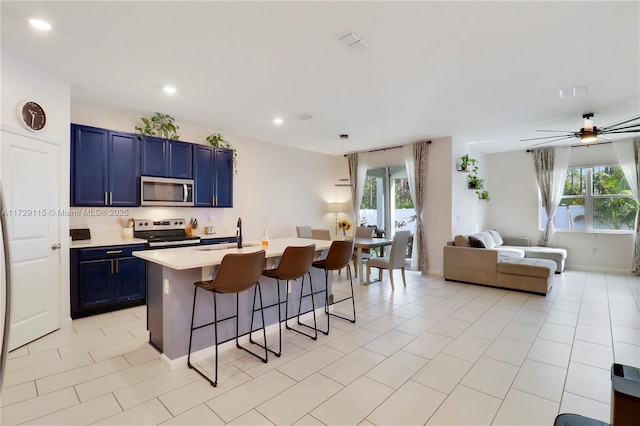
(239, 233)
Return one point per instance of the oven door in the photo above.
(157, 191)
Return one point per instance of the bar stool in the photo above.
(237, 272)
(294, 263)
(339, 256)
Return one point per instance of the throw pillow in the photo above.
(496, 237)
(488, 240)
(476, 242)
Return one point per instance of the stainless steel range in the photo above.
(163, 233)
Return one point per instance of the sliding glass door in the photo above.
(386, 201)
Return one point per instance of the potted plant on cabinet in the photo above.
(160, 125)
(217, 140)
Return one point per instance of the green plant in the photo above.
(475, 182)
(161, 125)
(217, 140)
(468, 164)
(484, 195)
(478, 184)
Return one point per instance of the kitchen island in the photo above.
(170, 277)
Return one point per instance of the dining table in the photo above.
(360, 244)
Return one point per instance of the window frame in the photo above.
(589, 198)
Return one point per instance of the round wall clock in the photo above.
(31, 115)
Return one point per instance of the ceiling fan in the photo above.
(590, 133)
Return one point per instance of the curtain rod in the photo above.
(384, 149)
(392, 147)
(582, 146)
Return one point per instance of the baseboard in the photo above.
(587, 268)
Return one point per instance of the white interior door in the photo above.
(31, 183)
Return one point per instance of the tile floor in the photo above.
(432, 353)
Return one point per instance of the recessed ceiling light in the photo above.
(278, 121)
(40, 24)
(169, 90)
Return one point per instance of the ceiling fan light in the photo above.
(588, 137)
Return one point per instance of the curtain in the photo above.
(629, 157)
(551, 171)
(358, 164)
(415, 157)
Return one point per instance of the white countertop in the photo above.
(117, 240)
(199, 256)
(106, 240)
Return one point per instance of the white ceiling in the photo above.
(483, 72)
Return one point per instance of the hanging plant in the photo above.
(218, 141)
(160, 125)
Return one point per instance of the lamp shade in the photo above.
(335, 207)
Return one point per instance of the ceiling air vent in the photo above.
(354, 42)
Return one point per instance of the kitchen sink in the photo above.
(224, 246)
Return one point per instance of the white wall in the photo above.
(22, 81)
(514, 210)
(469, 213)
(277, 187)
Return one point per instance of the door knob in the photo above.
(55, 246)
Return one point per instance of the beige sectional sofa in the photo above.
(502, 262)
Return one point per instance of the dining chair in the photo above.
(237, 272)
(295, 263)
(321, 234)
(304, 232)
(396, 259)
(338, 257)
(362, 232)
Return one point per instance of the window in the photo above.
(595, 198)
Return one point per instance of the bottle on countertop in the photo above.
(265, 239)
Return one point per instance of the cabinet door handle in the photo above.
(111, 198)
(215, 200)
(105, 199)
(117, 265)
(114, 251)
(111, 264)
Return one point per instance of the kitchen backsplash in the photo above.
(110, 220)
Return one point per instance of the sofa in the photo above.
(488, 258)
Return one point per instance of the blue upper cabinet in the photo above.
(166, 158)
(223, 177)
(105, 167)
(213, 176)
(203, 176)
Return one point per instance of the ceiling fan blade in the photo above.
(619, 123)
(572, 134)
(557, 131)
(631, 127)
(555, 140)
(621, 131)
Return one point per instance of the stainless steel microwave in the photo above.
(158, 191)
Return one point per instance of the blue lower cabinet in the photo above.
(95, 276)
(105, 279)
(130, 279)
